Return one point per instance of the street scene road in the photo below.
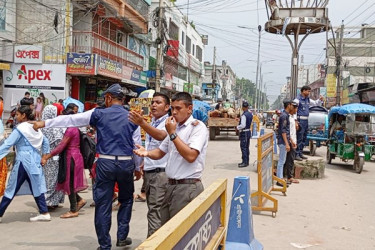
(335, 212)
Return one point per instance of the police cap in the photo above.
(245, 104)
(114, 89)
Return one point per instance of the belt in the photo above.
(183, 181)
(245, 130)
(113, 157)
(156, 170)
(302, 117)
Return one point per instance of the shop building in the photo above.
(108, 47)
(183, 51)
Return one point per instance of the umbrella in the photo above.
(147, 93)
(80, 105)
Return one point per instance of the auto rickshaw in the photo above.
(269, 119)
(317, 132)
(350, 126)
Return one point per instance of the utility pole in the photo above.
(257, 74)
(214, 73)
(159, 53)
(339, 65)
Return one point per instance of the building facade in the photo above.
(182, 50)
(76, 48)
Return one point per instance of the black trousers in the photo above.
(244, 144)
(74, 198)
(289, 163)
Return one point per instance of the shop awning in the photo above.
(4, 66)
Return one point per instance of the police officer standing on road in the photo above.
(116, 138)
(245, 134)
(304, 103)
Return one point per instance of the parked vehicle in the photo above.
(269, 120)
(349, 129)
(317, 132)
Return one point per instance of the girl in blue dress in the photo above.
(27, 175)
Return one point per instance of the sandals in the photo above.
(69, 214)
(293, 180)
(81, 204)
(139, 198)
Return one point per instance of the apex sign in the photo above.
(31, 74)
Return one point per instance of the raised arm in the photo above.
(9, 142)
(66, 121)
(155, 133)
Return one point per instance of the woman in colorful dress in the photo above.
(51, 168)
(27, 175)
(75, 179)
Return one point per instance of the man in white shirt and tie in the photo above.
(186, 144)
(154, 170)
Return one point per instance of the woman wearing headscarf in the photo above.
(51, 168)
(27, 175)
(75, 179)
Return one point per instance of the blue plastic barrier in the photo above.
(254, 133)
(274, 143)
(261, 131)
(240, 234)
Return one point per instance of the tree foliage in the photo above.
(245, 89)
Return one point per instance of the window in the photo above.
(173, 30)
(193, 49)
(183, 38)
(188, 44)
(199, 53)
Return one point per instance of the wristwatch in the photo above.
(173, 136)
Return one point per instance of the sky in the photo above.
(219, 19)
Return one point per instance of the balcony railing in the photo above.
(91, 42)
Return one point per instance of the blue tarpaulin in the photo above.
(200, 110)
(352, 108)
(80, 105)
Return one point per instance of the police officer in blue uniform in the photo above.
(304, 103)
(245, 134)
(116, 137)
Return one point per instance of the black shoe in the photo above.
(123, 243)
(303, 157)
(243, 165)
(298, 158)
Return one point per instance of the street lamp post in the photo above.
(257, 73)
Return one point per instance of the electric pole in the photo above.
(214, 74)
(257, 74)
(339, 66)
(159, 53)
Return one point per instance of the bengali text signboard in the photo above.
(80, 64)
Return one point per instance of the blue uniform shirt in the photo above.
(114, 131)
(284, 127)
(303, 106)
(246, 120)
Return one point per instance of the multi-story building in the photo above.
(76, 48)
(183, 49)
(358, 59)
(314, 76)
(219, 84)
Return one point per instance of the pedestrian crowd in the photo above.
(49, 160)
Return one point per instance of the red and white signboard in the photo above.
(28, 54)
(49, 79)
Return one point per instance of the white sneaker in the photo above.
(41, 217)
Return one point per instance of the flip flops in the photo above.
(139, 198)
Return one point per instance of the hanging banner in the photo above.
(80, 64)
(108, 67)
(173, 48)
(331, 85)
(323, 91)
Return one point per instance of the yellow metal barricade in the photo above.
(266, 177)
(199, 225)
